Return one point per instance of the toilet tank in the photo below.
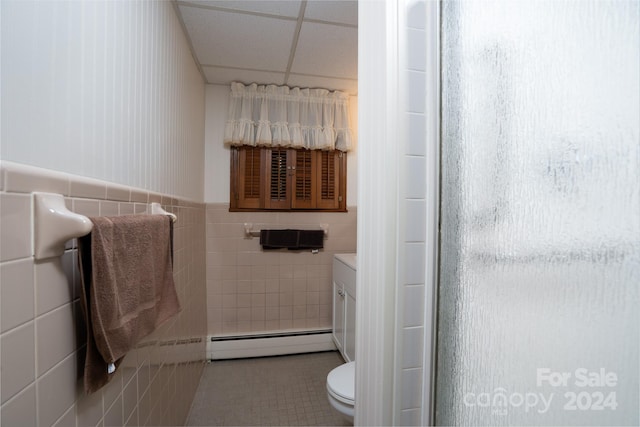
(344, 304)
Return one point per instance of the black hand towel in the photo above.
(278, 239)
(311, 239)
(292, 239)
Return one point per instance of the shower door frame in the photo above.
(432, 228)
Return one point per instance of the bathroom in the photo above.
(57, 63)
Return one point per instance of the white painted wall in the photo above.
(217, 166)
(103, 89)
(217, 162)
(352, 157)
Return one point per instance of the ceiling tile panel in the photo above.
(327, 50)
(239, 40)
(225, 76)
(342, 11)
(289, 8)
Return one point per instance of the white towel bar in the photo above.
(54, 224)
(249, 232)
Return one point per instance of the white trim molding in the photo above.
(378, 164)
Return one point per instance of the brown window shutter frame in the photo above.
(328, 179)
(285, 179)
(249, 186)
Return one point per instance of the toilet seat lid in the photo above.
(341, 381)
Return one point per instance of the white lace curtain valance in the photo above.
(280, 116)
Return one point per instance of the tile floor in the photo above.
(268, 391)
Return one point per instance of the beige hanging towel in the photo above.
(126, 266)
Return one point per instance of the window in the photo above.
(287, 179)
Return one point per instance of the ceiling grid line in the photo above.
(294, 43)
(323, 76)
(176, 9)
(298, 43)
(336, 24)
(228, 67)
(242, 12)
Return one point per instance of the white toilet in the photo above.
(341, 381)
(341, 385)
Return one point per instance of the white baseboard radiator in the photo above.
(273, 344)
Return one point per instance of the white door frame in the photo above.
(377, 210)
(380, 152)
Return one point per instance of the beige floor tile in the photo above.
(268, 391)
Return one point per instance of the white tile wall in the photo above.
(416, 177)
(413, 312)
(19, 411)
(56, 391)
(42, 338)
(18, 353)
(114, 415)
(67, 419)
(16, 293)
(89, 410)
(50, 351)
(416, 81)
(250, 290)
(53, 288)
(414, 260)
(22, 178)
(15, 228)
(411, 292)
(411, 417)
(411, 388)
(413, 337)
(417, 57)
(415, 225)
(416, 134)
(415, 14)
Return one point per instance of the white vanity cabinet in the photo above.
(344, 305)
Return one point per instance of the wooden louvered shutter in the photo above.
(278, 165)
(328, 179)
(303, 189)
(248, 186)
(287, 179)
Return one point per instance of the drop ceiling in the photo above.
(304, 43)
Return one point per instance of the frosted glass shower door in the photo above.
(538, 312)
